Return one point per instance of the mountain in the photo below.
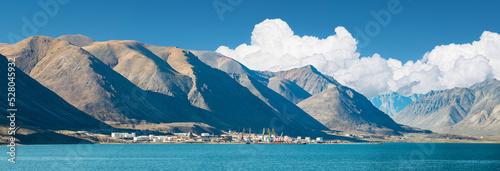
(3, 44)
(343, 109)
(484, 116)
(392, 103)
(38, 107)
(467, 111)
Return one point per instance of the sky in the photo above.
(414, 29)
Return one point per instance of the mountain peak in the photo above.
(484, 83)
(308, 68)
(77, 39)
(307, 77)
(36, 38)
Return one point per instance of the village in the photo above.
(228, 137)
(270, 137)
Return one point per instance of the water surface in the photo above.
(389, 156)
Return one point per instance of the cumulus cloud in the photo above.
(274, 47)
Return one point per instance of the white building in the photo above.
(168, 139)
(141, 138)
(116, 134)
(127, 135)
(122, 135)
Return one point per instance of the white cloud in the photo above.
(274, 47)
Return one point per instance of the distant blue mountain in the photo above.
(392, 103)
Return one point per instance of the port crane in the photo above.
(249, 133)
(269, 133)
(243, 134)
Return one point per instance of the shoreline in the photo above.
(234, 143)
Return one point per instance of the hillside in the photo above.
(38, 107)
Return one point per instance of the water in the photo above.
(390, 156)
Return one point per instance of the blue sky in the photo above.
(418, 28)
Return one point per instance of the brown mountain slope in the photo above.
(143, 68)
(38, 107)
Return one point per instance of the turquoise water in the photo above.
(391, 156)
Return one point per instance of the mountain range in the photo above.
(126, 82)
(123, 82)
(467, 111)
(337, 107)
